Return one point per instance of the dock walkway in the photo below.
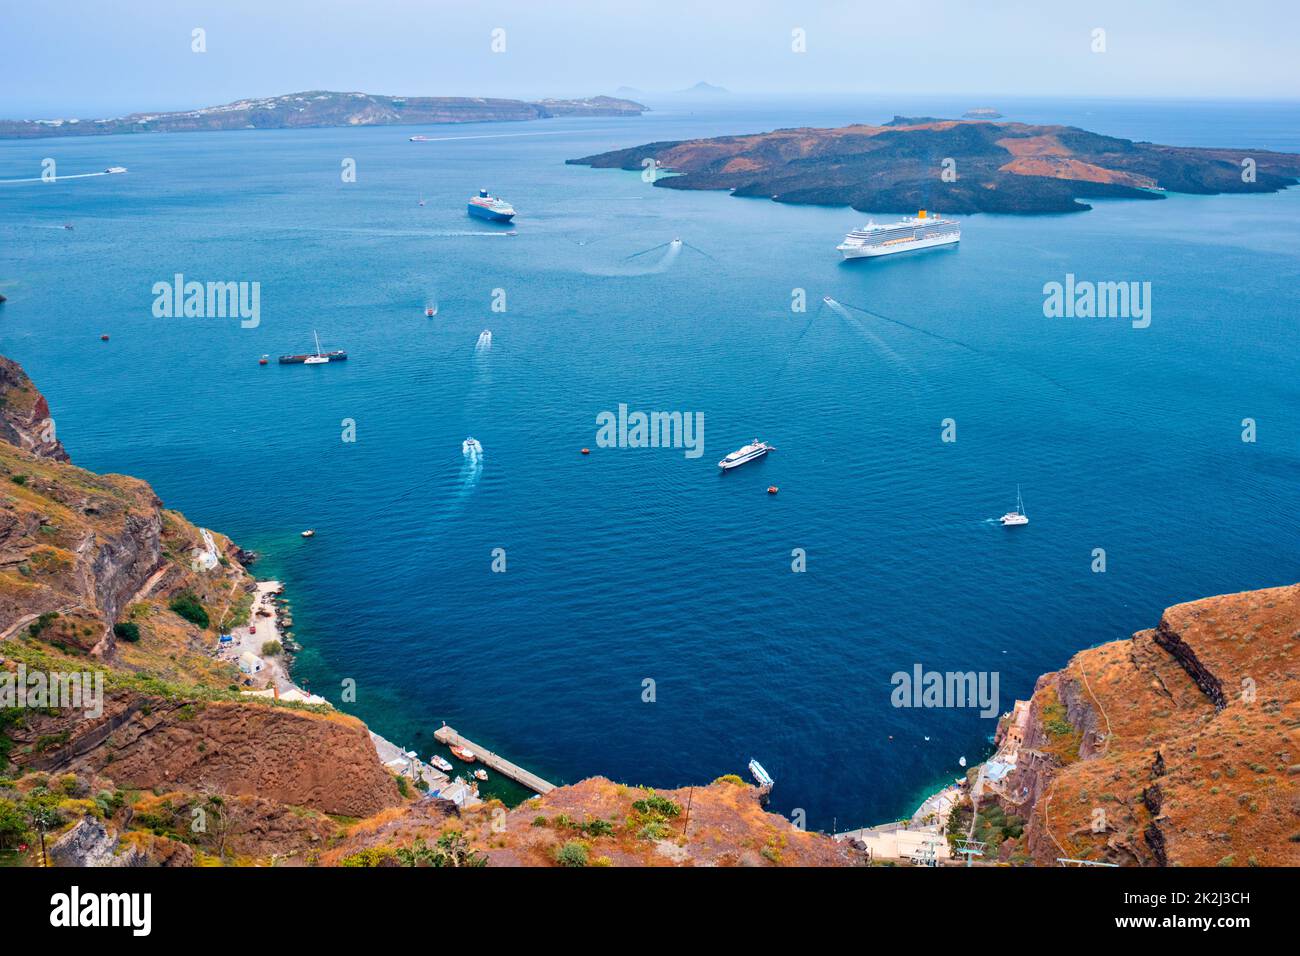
(448, 736)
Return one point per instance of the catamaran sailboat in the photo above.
(1018, 516)
(318, 358)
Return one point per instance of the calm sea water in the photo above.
(632, 564)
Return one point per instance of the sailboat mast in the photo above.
(313, 332)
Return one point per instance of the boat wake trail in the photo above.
(466, 233)
(915, 380)
(998, 358)
(57, 179)
(665, 262)
(472, 470)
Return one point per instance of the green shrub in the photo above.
(271, 648)
(41, 623)
(187, 605)
(573, 853)
(127, 631)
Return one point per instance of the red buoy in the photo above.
(586, 451)
(103, 338)
(772, 489)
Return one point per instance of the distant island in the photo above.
(708, 89)
(317, 108)
(982, 112)
(955, 166)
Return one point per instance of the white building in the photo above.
(250, 663)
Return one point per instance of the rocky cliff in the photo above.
(25, 420)
(1177, 747)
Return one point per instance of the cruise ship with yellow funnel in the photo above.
(922, 231)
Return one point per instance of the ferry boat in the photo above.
(755, 449)
(316, 358)
(761, 776)
(921, 231)
(1015, 517)
(441, 763)
(490, 208)
(460, 753)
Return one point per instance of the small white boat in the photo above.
(319, 358)
(470, 446)
(115, 169)
(1015, 517)
(441, 763)
(761, 776)
(755, 449)
(309, 533)
(480, 774)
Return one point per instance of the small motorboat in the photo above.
(263, 360)
(309, 533)
(772, 489)
(586, 451)
(470, 446)
(480, 774)
(430, 311)
(441, 763)
(103, 338)
(461, 753)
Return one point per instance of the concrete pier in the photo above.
(448, 736)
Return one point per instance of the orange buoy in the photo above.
(772, 489)
(103, 338)
(586, 451)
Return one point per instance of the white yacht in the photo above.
(921, 231)
(1018, 516)
(755, 449)
(441, 763)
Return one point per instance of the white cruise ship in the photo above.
(922, 231)
(755, 449)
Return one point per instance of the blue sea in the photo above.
(633, 564)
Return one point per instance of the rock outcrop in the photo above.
(25, 420)
(324, 761)
(1177, 747)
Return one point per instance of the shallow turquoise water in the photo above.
(641, 563)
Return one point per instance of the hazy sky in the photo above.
(75, 57)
